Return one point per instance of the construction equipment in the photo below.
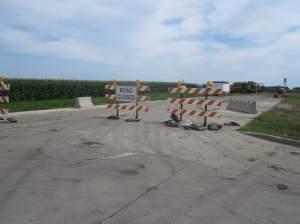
(280, 93)
(246, 87)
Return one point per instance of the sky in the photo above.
(151, 40)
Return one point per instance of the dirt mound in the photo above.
(285, 108)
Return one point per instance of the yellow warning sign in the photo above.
(209, 84)
(180, 83)
(138, 83)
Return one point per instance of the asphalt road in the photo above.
(76, 166)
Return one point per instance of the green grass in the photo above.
(283, 120)
(100, 100)
(68, 103)
(38, 105)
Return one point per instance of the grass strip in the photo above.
(283, 120)
(69, 103)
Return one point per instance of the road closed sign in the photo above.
(126, 94)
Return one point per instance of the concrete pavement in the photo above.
(75, 166)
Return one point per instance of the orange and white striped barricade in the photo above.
(195, 91)
(140, 88)
(194, 101)
(4, 98)
(127, 94)
(128, 107)
(109, 88)
(193, 112)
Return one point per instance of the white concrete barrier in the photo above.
(83, 102)
(244, 106)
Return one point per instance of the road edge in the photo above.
(32, 112)
(273, 138)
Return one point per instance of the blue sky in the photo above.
(166, 40)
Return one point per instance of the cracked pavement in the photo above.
(75, 166)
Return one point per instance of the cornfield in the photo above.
(43, 89)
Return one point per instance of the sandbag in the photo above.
(214, 127)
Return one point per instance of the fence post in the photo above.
(137, 84)
(181, 105)
(205, 109)
(117, 109)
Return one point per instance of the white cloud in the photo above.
(132, 33)
(259, 20)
